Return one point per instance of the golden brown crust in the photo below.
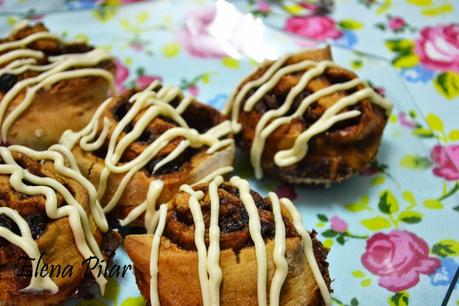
(67, 104)
(188, 168)
(233, 218)
(333, 156)
(55, 240)
(178, 280)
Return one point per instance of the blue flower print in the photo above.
(219, 101)
(444, 275)
(417, 74)
(348, 39)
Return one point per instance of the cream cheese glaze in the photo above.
(210, 274)
(147, 105)
(27, 244)
(21, 59)
(273, 119)
(28, 183)
(255, 234)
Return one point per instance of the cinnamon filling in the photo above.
(275, 98)
(37, 223)
(233, 220)
(333, 152)
(49, 47)
(173, 166)
(197, 116)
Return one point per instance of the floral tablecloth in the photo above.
(394, 230)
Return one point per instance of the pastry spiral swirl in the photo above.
(216, 249)
(150, 141)
(45, 80)
(304, 119)
(47, 214)
(233, 219)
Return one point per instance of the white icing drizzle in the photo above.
(68, 156)
(21, 53)
(213, 259)
(209, 270)
(61, 67)
(148, 207)
(273, 119)
(210, 274)
(154, 191)
(20, 44)
(27, 244)
(308, 250)
(17, 66)
(59, 159)
(49, 187)
(255, 234)
(154, 256)
(146, 106)
(211, 176)
(279, 252)
(199, 232)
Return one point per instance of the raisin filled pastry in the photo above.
(220, 243)
(48, 85)
(141, 146)
(50, 222)
(305, 119)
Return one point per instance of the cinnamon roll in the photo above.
(305, 119)
(220, 243)
(50, 222)
(48, 85)
(140, 147)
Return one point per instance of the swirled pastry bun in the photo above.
(220, 243)
(140, 147)
(305, 119)
(48, 85)
(48, 212)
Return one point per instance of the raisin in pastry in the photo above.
(141, 146)
(48, 85)
(305, 119)
(50, 222)
(220, 243)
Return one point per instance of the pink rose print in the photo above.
(122, 73)
(193, 90)
(396, 23)
(438, 47)
(398, 258)
(406, 121)
(338, 224)
(195, 37)
(145, 80)
(312, 26)
(446, 159)
(381, 90)
(263, 6)
(136, 45)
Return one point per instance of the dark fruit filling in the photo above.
(233, 221)
(7, 81)
(36, 222)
